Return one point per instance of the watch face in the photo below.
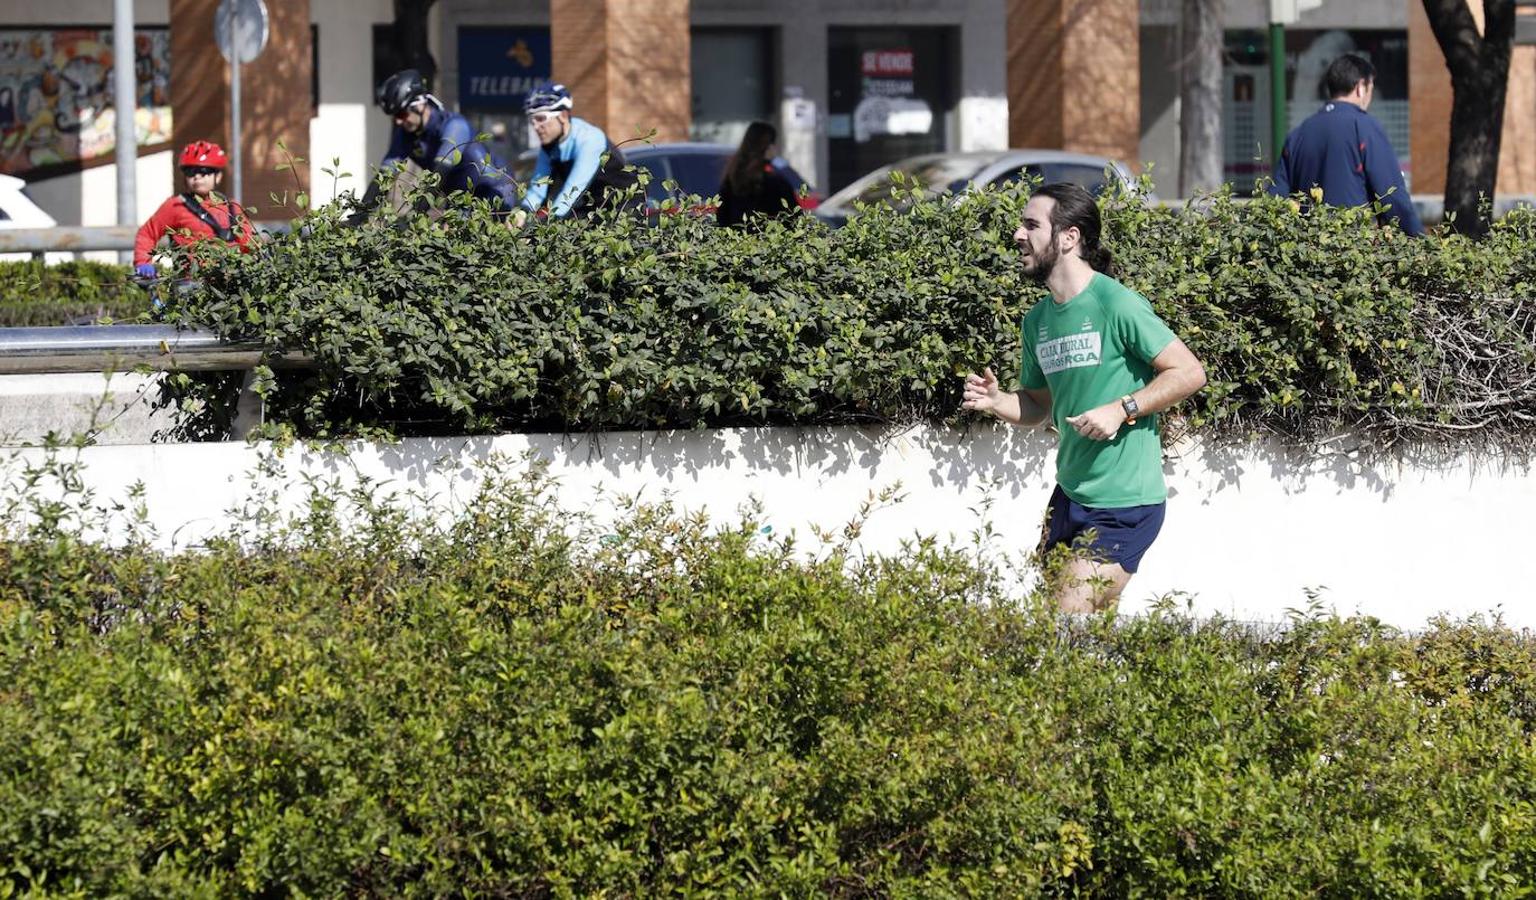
(1130, 407)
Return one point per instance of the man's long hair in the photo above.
(1076, 208)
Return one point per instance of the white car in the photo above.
(954, 172)
(18, 211)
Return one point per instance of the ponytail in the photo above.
(1076, 208)
(1099, 257)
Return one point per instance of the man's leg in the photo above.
(1089, 586)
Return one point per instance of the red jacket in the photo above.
(186, 228)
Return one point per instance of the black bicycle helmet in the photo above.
(399, 90)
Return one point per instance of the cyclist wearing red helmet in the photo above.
(196, 215)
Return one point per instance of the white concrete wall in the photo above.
(1251, 531)
(350, 134)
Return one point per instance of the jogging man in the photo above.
(1099, 364)
(199, 213)
(430, 137)
(1344, 151)
(578, 166)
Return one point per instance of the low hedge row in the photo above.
(33, 294)
(1309, 322)
(493, 707)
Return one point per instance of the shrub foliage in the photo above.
(499, 704)
(1309, 322)
(33, 294)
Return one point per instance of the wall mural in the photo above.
(56, 110)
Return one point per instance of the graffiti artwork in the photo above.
(56, 97)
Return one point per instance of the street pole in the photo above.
(125, 100)
(234, 103)
(1277, 113)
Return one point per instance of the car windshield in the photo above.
(931, 173)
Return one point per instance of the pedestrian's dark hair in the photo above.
(1346, 72)
(744, 172)
(1076, 208)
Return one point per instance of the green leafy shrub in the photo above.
(507, 703)
(1309, 322)
(32, 293)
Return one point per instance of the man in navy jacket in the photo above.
(1345, 152)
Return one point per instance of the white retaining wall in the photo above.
(1251, 532)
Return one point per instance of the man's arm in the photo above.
(589, 157)
(538, 183)
(1281, 186)
(150, 232)
(1178, 375)
(1025, 407)
(393, 157)
(1384, 179)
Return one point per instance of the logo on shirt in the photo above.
(1071, 352)
(1087, 324)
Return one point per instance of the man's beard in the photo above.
(1044, 263)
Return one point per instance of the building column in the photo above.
(275, 100)
(1429, 111)
(626, 63)
(1074, 76)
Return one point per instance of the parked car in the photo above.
(696, 167)
(955, 172)
(18, 211)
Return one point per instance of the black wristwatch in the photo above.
(1128, 403)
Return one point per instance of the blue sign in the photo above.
(498, 66)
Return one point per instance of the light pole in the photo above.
(125, 101)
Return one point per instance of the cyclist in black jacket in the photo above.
(438, 141)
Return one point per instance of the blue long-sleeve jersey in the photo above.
(1345, 152)
(446, 145)
(583, 167)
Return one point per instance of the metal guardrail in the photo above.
(122, 348)
(67, 239)
(66, 349)
(84, 238)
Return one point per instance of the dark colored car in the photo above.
(697, 169)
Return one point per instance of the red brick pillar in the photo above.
(1429, 111)
(626, 63)
(1074, 76)
(274, 99)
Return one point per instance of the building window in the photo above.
(890, 93)
(732, 81)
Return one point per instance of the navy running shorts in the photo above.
(1120, 534)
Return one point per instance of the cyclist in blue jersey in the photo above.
(436, 140)
(578, 169)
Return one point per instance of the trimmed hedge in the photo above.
(492, 707)
(32, 293)
(1309, 322)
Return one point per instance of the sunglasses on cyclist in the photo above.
(539, 118)
(192, 171)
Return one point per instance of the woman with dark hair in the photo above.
(752, 186)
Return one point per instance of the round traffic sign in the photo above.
(250, 27)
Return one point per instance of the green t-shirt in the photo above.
(1092, 350)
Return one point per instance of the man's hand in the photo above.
(1100, 423)
(981, 393)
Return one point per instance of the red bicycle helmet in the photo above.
(204, 153)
